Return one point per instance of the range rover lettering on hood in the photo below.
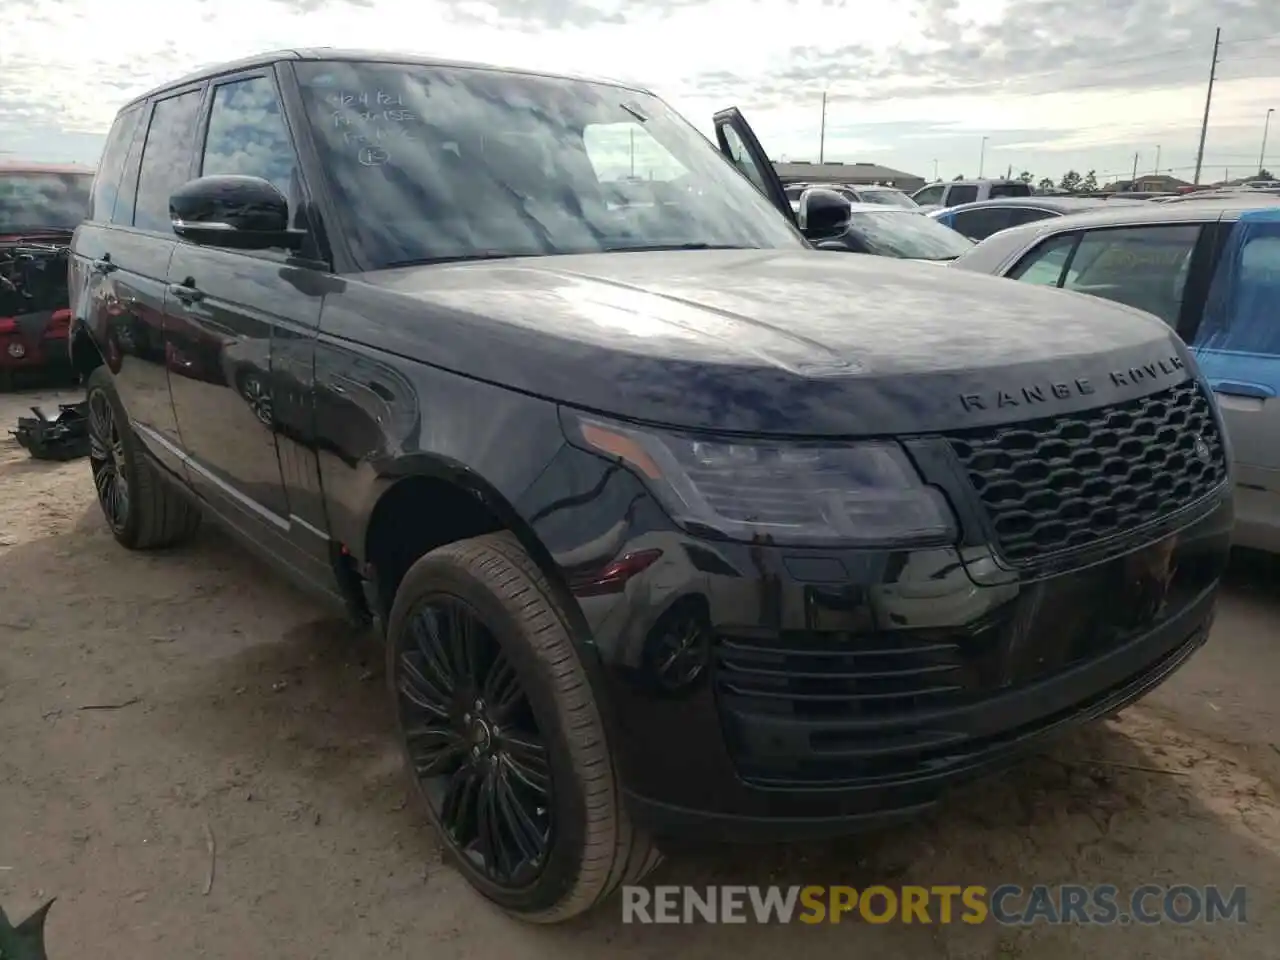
(1044, 392)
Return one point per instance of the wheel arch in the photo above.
(464, 504)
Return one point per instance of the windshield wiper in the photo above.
(455, 258)
(649, 247)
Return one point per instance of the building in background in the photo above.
(1148, 183)
(834, 171)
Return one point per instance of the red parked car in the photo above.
(40, 206)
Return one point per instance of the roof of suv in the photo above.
(997, 247)
(33, 166)
(1060, 204)
(358, 56)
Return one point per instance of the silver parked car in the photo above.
(1210, 270)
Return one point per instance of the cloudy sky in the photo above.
(1052, 84)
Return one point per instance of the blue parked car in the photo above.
(1208, 268)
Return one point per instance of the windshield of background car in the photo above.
(910, 235)
(440, 163)
(43, 200)
(889, 198)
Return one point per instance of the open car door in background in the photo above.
(738, 142)
(1238, 349)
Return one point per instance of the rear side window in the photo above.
(980, 224)
(1144, 267)
(165, 159)
(963, 193)
(1021, 215)
(1010, 190)
(106, 183)
(1043, 265)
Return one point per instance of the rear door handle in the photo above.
(104, 266)
(1235, 388)
(187, 293)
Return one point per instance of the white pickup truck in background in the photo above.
(937, 196)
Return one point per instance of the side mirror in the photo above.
(247, 213)
(823, 213)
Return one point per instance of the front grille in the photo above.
(1061, 483)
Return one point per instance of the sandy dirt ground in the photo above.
(239, 712)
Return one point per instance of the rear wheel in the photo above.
(502, 736)
(142, 510)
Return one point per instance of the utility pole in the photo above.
(1135, 171)
(982, 156)
(935, 171)
(1008, 174)
(1208, 99)
(1262, 157)
(822, 134)
(1157, 169)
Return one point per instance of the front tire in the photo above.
(143, 511)
(501, 734)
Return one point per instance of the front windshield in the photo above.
(889, 198)
(909, 235)
(32, 199)
(443, 163)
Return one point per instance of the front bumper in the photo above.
(756, 692)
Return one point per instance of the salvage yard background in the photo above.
(155, 707)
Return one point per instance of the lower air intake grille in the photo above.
(1062, 483)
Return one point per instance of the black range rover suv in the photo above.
(670, 522)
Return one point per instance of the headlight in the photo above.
(795, 493)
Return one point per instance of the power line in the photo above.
(1262, 39)
(1126, 81)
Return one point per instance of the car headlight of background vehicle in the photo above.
(866, 493)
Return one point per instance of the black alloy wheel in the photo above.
(108, 461)
(501, 733)
(143, 509)
(474, 744)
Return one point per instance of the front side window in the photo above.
(165, 160)
(43, 200)
(929, 195)
(742, 159)
(1144, 267)
(908, 235)
(1243, 310)
(247, 134)
(441, 163)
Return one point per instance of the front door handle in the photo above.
(104, 266)
(186, 292)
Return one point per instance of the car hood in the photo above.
(801, 343)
